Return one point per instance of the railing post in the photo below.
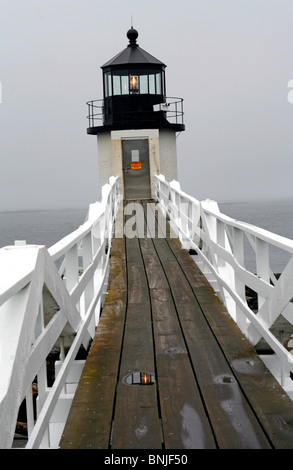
(220, 240)
(87, 252)
(209, 228)
(262, 265)
(239, 285)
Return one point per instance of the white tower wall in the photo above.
(162, 153)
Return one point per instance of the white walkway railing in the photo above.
(220, 243)
(42, 307)
(53, 298)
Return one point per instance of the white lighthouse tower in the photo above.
(135, 123)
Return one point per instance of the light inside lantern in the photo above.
(145, 378)
(133, 83)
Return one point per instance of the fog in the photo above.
(230, 60)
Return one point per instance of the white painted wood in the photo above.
(219, 243)
(42, 308)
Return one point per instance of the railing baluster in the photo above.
(42, 386)
(71, 274)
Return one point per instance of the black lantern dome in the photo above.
(134, 92)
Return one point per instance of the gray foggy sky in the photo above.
(230, 60)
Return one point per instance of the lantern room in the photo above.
(133, 84)
(134, 81)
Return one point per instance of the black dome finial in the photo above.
(132, 35)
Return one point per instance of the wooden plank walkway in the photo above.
(210, 388)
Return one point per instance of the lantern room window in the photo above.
(143, 84)
(139, 81)
(116, 85)
(133, 84)
(108, 84)
(152, 88)
(124, 85)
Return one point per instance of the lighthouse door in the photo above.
(136, 169)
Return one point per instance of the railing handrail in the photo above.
(175, 110)
(42, 305)
(218, 241)
(279, 241)
(274, 239)
(31, 273)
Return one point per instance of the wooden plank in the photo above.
(136, 422)
(90, 419)
(227, 407)
(169, 322)
(267, 398)
(184, 420)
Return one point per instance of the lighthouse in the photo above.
(136, 124)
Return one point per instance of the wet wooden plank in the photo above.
(225, 403)
(162, 316)
(266, 397)
(233, 422)
(136, 422)
(90, 419)
(184, 421)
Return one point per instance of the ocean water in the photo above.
(39, 227)
(275, 216)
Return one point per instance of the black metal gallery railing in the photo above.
(172, 111)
